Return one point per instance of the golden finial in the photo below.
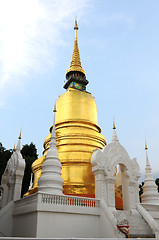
(76, 28)
(14, 148)
(146, 144)
(76, 61)
(114, 127)
(20, 135)
(76, 25)
(54, 108)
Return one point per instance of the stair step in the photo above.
(142, 235)
(138, 227)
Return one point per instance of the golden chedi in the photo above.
(77, 132)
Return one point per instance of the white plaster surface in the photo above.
(51, 216)
(153, 210)
(104, 164)
(150, 192)
(51, 180)
(12, 177)
(45, 219)
(6, 220)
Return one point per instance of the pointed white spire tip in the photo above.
(146, 148)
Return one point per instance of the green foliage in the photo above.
(29, 153)
(4, 157)
(157, 183)
(141, 190)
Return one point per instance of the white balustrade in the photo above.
(70, 200)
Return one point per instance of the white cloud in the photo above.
(27, 29)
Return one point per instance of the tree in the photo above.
(29, 153)
(157, 183)
(141, 190)
(4, 157)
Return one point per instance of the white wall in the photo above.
(6, 220)
(25, 225)
(67, 225)
(54, 220)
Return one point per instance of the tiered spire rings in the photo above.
(76, 62)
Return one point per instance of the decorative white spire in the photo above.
(51, 181)
(148, 168)
(15, 172)
(18, 144)
(114, 137)
(150, 194)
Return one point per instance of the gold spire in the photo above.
(114, 127)
(146, 144)
(20, 135)
(76, 62)
(14, 148)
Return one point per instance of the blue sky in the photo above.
(118, 42)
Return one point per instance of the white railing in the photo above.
(70, 200)
(149, 219)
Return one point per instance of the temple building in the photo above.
(83, 187)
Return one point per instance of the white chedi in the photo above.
(150, 194)
(51, 181)
(11, 182)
